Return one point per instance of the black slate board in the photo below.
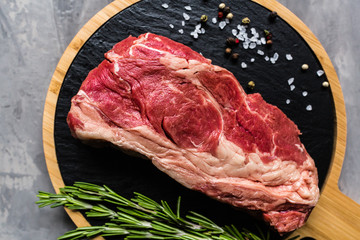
(126, 174)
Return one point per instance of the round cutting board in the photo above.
(323, 127)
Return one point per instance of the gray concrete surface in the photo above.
(33, 36)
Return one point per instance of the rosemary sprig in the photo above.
(137, 218)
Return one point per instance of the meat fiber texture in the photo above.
(193, 120)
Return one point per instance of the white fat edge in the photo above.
(299, 147)
(142, 45)
(116, 67)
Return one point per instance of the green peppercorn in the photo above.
(251, 85)
(267, 32)
(204, 18)
(245, 20)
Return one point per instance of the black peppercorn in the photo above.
(272, 16)
(226, 10)
(234, 56)
(231, 42)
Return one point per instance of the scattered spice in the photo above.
(267, 32)
(245, 20)
(230, 16)
(204, 18)
(222, 6)
(269, 43)
(273, 16)
(325, 84)
(305, 67)
(226, 10)
(251, 85)
(234, 56)
(228, 51)
(220, 15)
(231, 42)
(237, 41)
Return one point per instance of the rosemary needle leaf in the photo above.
(138, 218)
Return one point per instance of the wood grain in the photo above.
(336, 216)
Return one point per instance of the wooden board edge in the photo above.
(342, 211)
(110, 10)
(53, 92)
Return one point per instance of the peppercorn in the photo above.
(269, 42)
(305, 67)
(230, 16)
(251, 85)
(226, 10)
(230, 42)
(203, 18)
(222, 6)
(220, 15)
(237, 41)
(267, 32)
(234, 56)
(269, 36)
(272, 16)
(245, 20)
(228, 51)
(325, 84)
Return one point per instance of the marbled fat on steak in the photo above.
(194, 121)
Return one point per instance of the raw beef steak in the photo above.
(194, 121)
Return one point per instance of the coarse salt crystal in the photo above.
(202, 30)
(266, 58)
(287, 101)
(227, 20)
(214, 20)
(289, 57)
(171, 25)
(183, 23)
(276, 56)
(165, 5)
(258, 42)
(292, 87)
(245, 45)
(252, 60)
(198, 26)
(243, 65)
(222, 24)
(186, 16)
(253, 31)
(188, 8)
(272, 60)
(181, 31)
(320, 73)
(234, 32)
(263, 40)
(260, 52)
(308, 107)
(304, 93)
(252, 45)
(291, 80)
